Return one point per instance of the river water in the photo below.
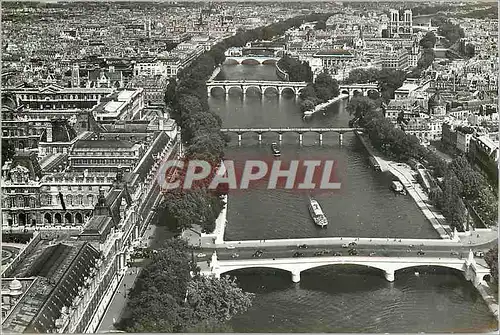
(340, 298)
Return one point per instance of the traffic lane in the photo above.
(248, 254)
(340, 248)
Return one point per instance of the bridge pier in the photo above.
(296, 276)
(320, 138)
(239, 138)
(300, 138)
(389, 275)
(341, 138)
(280, 137)
(260, 138)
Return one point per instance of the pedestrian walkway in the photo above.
(115, 310)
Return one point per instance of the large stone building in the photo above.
(400, 23)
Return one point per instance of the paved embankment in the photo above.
(325, 104)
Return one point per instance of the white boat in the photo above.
(317, 214)
(397, 187)
(275, 149)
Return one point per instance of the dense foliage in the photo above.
(491, 258)
(427, 44)
(388, 80)
(323, 89)
(460, 185)
(296, 70)
(187, 102)
(452, 32)
(170, 296)
(8, 151)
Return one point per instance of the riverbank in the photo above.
(405, 175)
(325, 104)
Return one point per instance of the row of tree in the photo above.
(461, 183)
(187, 102)
(296, 70)
(171, 296)
(323, 89)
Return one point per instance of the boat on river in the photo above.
(275, 149)
(317, 214)
(398, 187)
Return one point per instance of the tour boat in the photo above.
(317, 213)
(275, 149)
(397, 187)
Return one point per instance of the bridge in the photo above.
(389, 265)
(281, 131)
(358, 89)
(252, 59)
(261, 85)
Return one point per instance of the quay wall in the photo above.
(281, 73)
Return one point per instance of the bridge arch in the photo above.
(216, 90)
(253, 88)
(267, 89)
(269, 62)
(458, 267)
(345, 92)
(287, 91)
(373, 93)
(231, 61)
(232, 89)
(250, 61)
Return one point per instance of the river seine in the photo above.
(337, 298)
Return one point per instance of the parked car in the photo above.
(298, 254)
(235, 255)
(372, 254)
(230, 247)
(337, 254)
(201, 255)
(352, 244)
(319, 253)
(454, 253)
(257, 254)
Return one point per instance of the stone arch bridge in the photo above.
(358, 89)
(261, 85)
(389, 265)
(252, 59)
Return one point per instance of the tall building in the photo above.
(400, 23)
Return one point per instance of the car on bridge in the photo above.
(319, 253)
(454, 253)
(353, 252)
(230, 247)
(201, 255)
(337, 254)
(298, 254)
(258, 253)
(345, 245)
(235, 255)
(352, 244)
(302, 246)
(372, 254)
(420, 253)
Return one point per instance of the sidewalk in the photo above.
(117, 305)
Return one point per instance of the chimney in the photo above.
(111, 68)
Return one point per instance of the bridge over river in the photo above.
(472, 271)
(281, 131)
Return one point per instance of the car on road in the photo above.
(345, 245)
(298, 254)
(454, 253)
(479, 254)
(230, 247)
(235, 255)
(319, 253)
(337, 254)
(258, 254)
(372, 254)
(420, 253)
(201, 255)
(302, 246)
(353, 252)
(352, 244)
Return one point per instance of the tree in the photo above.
(216, 299)
(428, 41)
(358, 107)
(170, 92)
(8, 151)
(491, 258)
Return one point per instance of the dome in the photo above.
(436, 100)
(15, 285)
